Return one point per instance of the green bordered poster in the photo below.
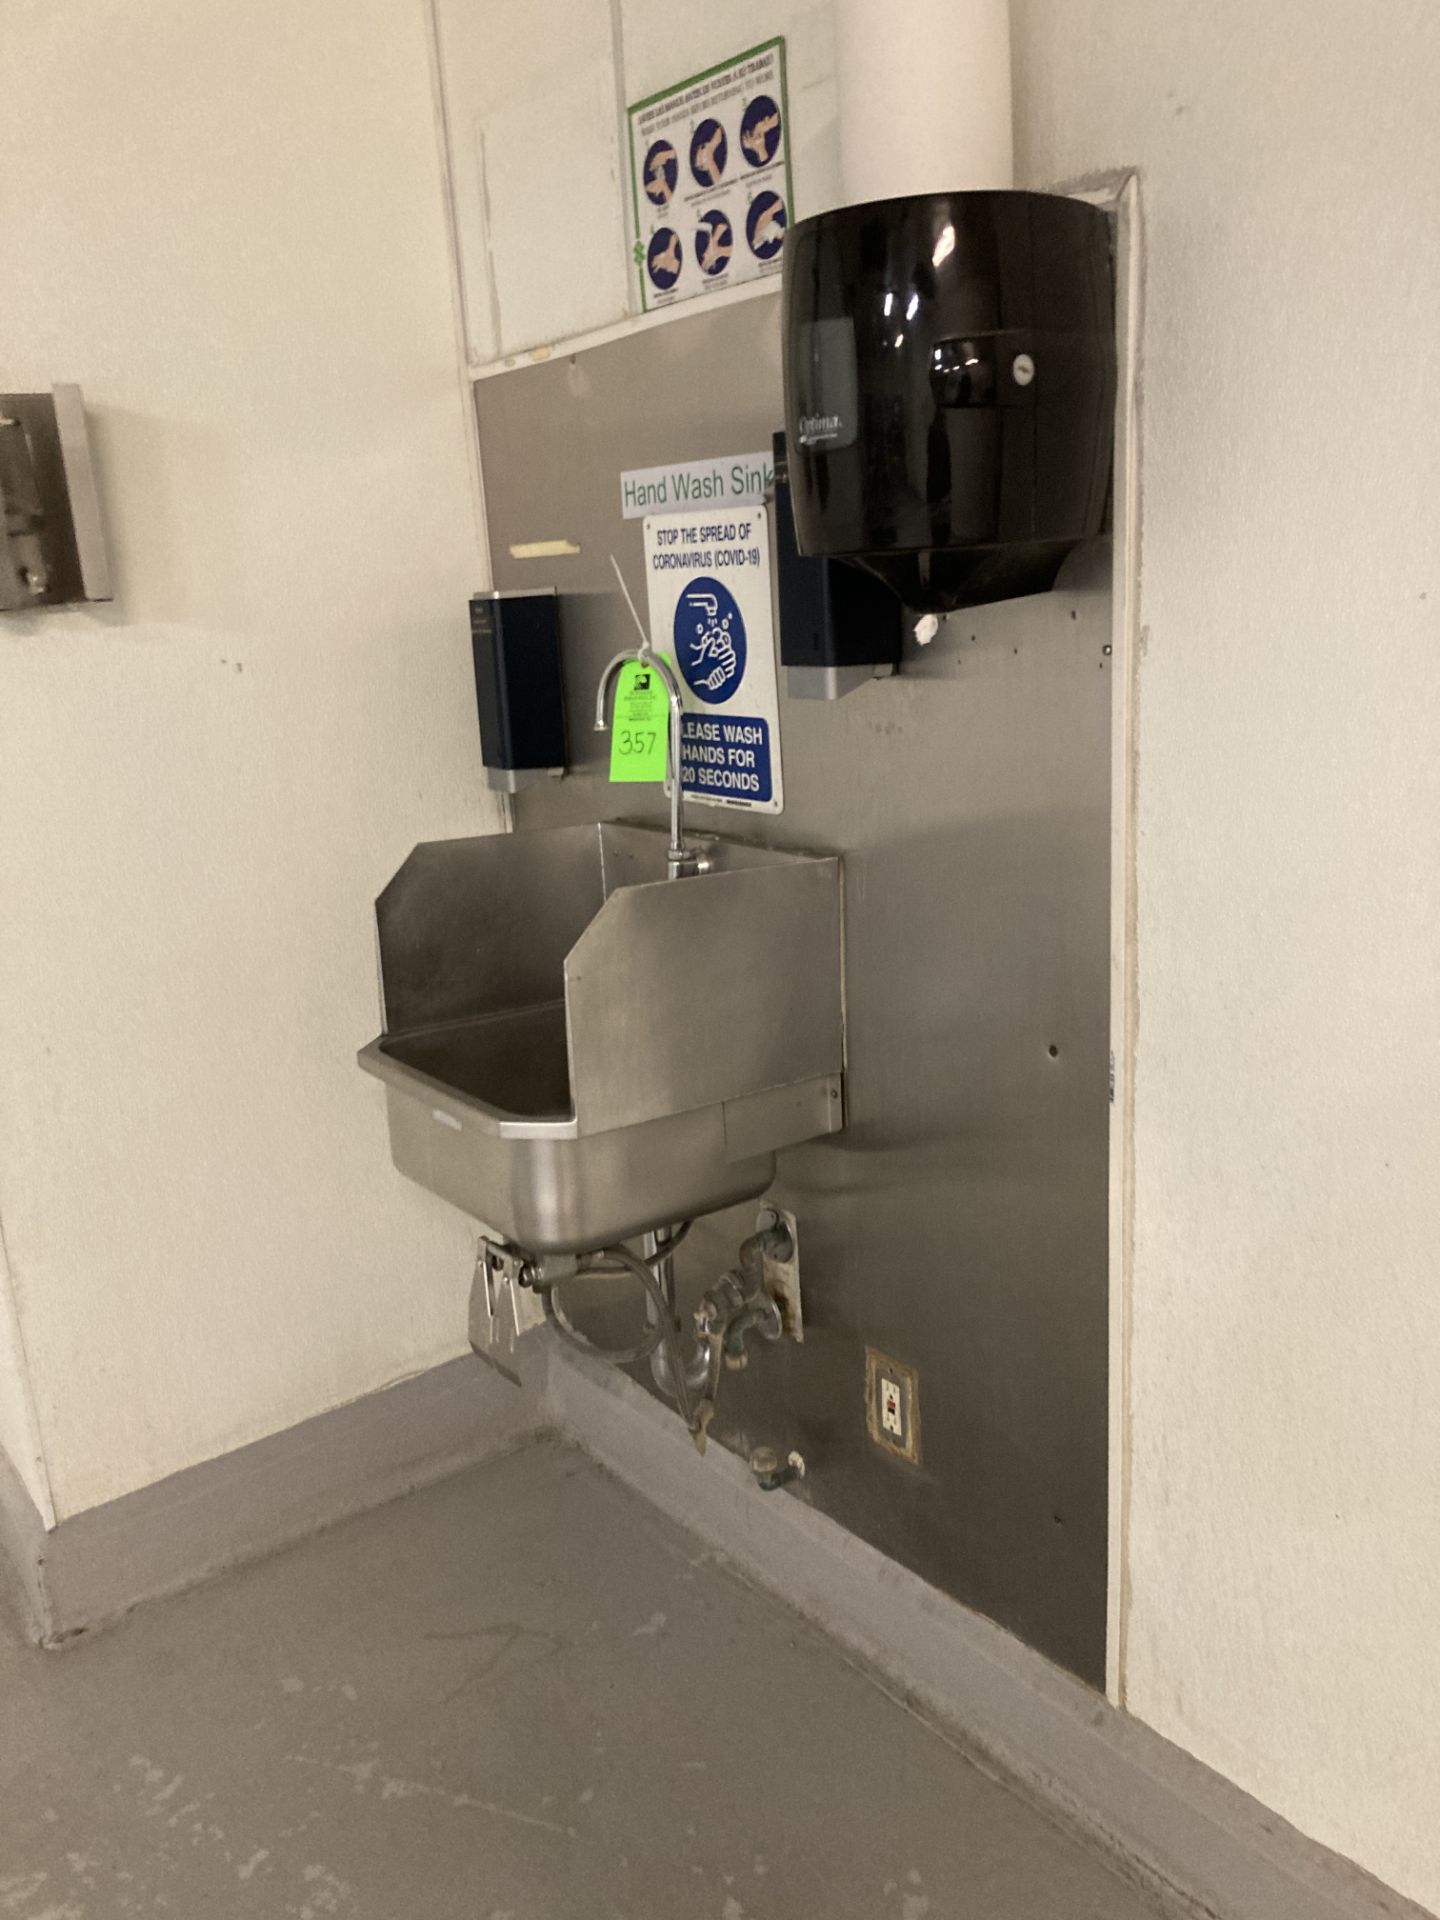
(710, 178)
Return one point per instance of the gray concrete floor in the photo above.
(519, 1695)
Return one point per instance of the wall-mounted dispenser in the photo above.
(839, 626)
(519, 688)
(949, 389)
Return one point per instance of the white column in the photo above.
(924, 96)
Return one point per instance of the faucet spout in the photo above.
(607, 681)
(681, 859)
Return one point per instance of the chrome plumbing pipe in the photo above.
(657, 1251)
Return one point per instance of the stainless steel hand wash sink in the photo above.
(577, 1049)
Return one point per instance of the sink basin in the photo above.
(577, 1050)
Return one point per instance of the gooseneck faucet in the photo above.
(681, 860)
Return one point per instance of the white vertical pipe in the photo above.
(924, 96)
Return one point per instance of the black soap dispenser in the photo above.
(519, 687)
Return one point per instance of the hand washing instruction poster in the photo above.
(710, 178)
(708, 576)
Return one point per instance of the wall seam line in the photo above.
(1124, 1013)
(459, 307)
(1134, 642)
(622, 147)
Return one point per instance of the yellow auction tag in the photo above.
(641, 721)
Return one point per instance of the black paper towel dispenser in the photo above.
(950, 389)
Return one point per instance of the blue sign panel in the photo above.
(661, 171)
(760, 131)
(727, 757)
(663, 258)
(709, 150)
(714, 242)
(709, 640)
(765, 225)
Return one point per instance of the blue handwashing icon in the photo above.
(714, 242)
(709, 635)
(765, 225)
(760, 131)
(709, 151)
(661, 171)
(663, 257)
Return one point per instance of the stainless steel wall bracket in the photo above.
(503, 1306)
(52, 542)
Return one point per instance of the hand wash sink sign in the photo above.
(708, 576)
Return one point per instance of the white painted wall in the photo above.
(1284, 1548)
(534, 101)
(226, 224)
(532, 107)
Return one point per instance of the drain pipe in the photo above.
(659, 1256)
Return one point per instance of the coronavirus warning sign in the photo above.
(710, 611)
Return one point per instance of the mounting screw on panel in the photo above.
(892, 1405)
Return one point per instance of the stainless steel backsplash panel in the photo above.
(959, 1224)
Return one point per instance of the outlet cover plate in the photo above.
(892, 1405)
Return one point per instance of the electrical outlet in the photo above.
(892, 1405)
(890, 1417)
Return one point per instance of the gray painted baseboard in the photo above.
(1169, 1823)
(187, 1528)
